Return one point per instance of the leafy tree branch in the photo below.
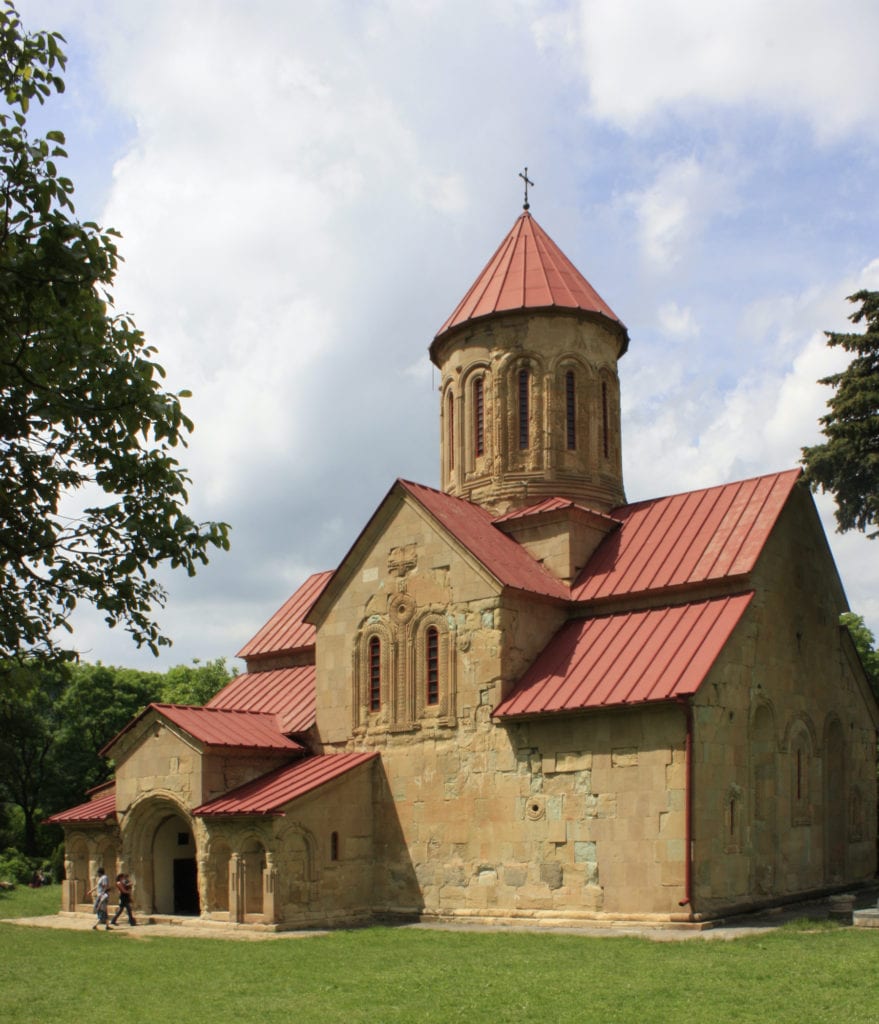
(85, 419)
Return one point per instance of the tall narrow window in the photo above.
(478, 417)
(334, 846)
(450, 416)
(432, 655)
(524, 388)
(605, 438)
(375, 674)
(570, 411)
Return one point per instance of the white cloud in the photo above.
(711, 429)
(811, 59)
(677, 322)
(675, 210)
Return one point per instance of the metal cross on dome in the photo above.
(526, 205)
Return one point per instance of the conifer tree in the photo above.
(847, 463)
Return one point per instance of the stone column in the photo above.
(68, 887)
(269, 878)
(203, 883)
(235, 900)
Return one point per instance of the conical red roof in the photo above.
(528, 271)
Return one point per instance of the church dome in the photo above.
(528, 271)
(530, 404)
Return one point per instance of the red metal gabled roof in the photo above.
(474, 527)
(546, 505)
(287, 693)
(286, 631)
(655, 654)
(98, 809)
(219, 728)
(267, 795)
(695, 537)
(528, 271)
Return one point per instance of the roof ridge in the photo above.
(710, 487)
(214, 710)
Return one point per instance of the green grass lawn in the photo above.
(379, 975)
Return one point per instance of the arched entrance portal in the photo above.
(175, 873)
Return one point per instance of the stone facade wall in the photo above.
(785, 751)
(410, 580)
(156, 758)
(565, 819)
(315, 865)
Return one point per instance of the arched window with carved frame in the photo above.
(373, 676)
(431, 666)
(575, 425)
(479, 416)
(605, 421)
(570, 411)
(523, 392)
(450, 429)
(374, 673)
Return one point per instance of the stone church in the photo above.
(518, 697)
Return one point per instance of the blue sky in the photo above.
(306, 190)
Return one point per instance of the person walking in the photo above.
(123, 884)
(101, 892)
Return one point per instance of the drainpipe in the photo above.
(687, 901)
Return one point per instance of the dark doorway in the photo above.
(186, 887)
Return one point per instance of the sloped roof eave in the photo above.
(694, 537)
(644, 656)
(676, 593)
(268, 795)
(593, 316)
(91, 812)
(282, 652)
(288, 693)
(543, 716)
(287, 631)
(259, 733)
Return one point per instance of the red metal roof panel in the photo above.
(286, 631)
(655, 654)
(553, 505)
(527, 271)
(98, 809)
(547, 505)
(220, 728)
(287, 693)
(686, 538)
(474, 527)
(267, 795)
